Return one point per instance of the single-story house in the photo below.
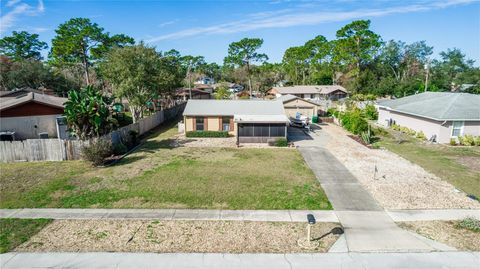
(312, 92)
(6, 95)
(30, 114)
(251, 121)
(184, 94)
(295, 105)
(439, 115)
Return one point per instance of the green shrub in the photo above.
(207, 134)
(370, 112)
(453, 142)
(354, 122)
(281, 142)
(97, 150)
(331, 112)
(470, 223)
(460, 140)
(477, 141)
(421, 135)
(468, 140)
(120, 149)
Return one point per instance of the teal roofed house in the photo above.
(439, 115)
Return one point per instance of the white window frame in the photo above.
(461, 128)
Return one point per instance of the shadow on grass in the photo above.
(149, 144)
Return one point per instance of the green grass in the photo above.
(158, 176)
(14, 232)
(457, 165)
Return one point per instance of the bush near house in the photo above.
(281, 142)
(370, 112)
(353, 121)
(207, 134)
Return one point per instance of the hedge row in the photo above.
(207, 134)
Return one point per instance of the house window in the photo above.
(199, 123)
(226, 123)
(457, 128)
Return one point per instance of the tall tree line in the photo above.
(83, 53)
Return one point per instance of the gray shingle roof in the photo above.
(233, 107)
(35, 97)
(309, 89)
(438, 105)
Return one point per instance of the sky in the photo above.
(207, 27)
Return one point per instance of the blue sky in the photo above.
(207, 27)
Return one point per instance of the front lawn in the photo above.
(458, 165)
(14, 232)
(158, 176)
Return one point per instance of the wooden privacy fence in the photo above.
(40, 150)
(60, 150)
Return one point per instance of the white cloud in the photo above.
(12, 3)
(290, 18)
(163, 24)
(19, 9)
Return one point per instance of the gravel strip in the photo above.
(445, 232)
(176, 236)
(398, 184)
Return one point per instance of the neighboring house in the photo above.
(295, 105)
(6, 95)
(184, 94)
(204, 87)
(232, 87)
(312, 92)
(251, 121)
(30, 114)
(205, 80)
(443, 115)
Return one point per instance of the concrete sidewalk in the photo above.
(246, 215)
(464, 260)
(170, 214)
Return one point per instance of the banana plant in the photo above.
(88, 113)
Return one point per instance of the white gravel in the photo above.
(399, 183)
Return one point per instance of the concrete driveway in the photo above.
(367, 226)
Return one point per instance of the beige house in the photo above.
(251, 121)
(295, 105)
(312, 92)
(439, 115)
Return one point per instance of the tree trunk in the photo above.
(249, 79)
(85, 67)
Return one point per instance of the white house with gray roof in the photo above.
(439, 115)
(311, 92)
(256, 121)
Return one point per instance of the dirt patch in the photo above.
(446, 232)
(472, 163)
(177, 236)
(393, 181)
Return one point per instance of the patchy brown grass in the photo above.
(447, 232)
(159, 176)
(177, 236)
